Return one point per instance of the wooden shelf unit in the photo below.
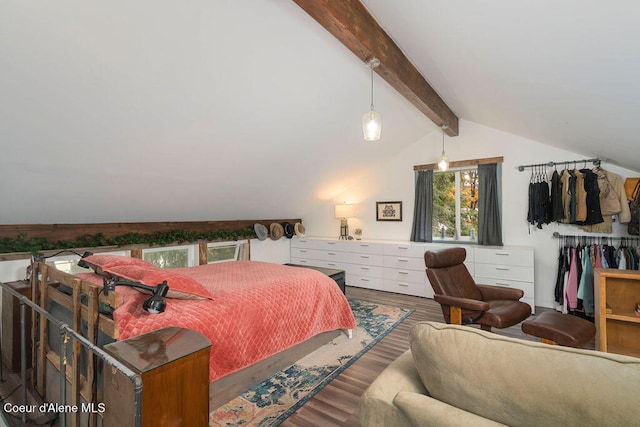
(618, 327)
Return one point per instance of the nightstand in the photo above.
(11, 326)
(174, 366)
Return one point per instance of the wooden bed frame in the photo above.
(46, 281)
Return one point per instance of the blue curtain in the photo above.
(422, 223)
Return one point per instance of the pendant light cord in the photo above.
(371, 87)
(443, 127)
(373, 63)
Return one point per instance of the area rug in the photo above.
(275, 399)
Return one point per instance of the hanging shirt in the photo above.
(587, 288)
(572, 285)
(622, 262)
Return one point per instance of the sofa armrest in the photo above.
(422, 410)
(376, 408)
(466, 303)
(493, 292)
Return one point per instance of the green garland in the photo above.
(159, 238)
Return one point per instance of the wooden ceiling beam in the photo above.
(352, 24)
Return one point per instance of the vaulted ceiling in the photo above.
(561, 73)
(213, 109)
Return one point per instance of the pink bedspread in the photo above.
(257, 309)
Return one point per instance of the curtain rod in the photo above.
(587, 236)
(596, 162)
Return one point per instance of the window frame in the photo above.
(192, 253)
(60, 261)
(239, 244)
(458, 182)
(418, 225)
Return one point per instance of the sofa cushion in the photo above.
(519, 382)
(422, 410)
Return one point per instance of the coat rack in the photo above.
(596, 162)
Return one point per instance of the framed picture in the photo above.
(388, 211)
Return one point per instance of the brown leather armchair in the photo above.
(465, 302)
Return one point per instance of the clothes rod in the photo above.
(596, 162)
(588, 236)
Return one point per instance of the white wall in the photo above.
(393, 180)
(13, 270)
(277, 251)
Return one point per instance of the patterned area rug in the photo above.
(272, 401)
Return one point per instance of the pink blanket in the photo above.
(257, 309)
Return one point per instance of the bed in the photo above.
(257, 315)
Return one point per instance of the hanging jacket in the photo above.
(557, 210)
(617, 185)
(581, 198)
(591, 198)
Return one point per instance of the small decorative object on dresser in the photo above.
(358, 233)
(388, 211)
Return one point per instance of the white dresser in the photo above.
(510, 266)
(396, 266)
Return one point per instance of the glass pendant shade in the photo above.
(372, 125)
(443, 163)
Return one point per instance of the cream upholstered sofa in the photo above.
(462, 376)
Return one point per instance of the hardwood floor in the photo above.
(336, 404)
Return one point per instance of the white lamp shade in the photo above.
(345, 211)
(372, 125)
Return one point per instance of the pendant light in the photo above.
(372, 121)
(443, 162)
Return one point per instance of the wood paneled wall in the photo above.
(73, 231)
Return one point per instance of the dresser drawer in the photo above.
(323, 255)
(526, 287)
(364, 282)
(319, 263)
(321, 244)
(504, 272)
(364, 247)
(404, 263)
(413, 276)
(407, 288)
(414, 250)
(506, 256)
(365, 270)
(364, 259)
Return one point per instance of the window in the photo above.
(69, 263)
(227, 251)
(464, 203)
(171, 257)
(455, 205)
